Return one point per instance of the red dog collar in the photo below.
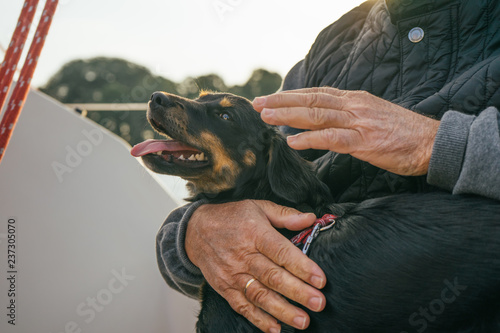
(308, 235)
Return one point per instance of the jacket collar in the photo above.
(402, 9)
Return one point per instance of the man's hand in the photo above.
(234, 242)
(356, 123)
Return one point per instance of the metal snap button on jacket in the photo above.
(416, 35)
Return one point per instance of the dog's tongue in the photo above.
(153, 146)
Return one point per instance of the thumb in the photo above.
(285, 217)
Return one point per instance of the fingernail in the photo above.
(267, 112)
(291, 139)
(259, 101)
(274, 330)
(300, 322)
(317, 281)
(315, 303)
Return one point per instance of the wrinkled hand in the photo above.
(356, 123)
(234, 242)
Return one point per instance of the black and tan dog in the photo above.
(407, 263)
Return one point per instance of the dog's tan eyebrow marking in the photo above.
(225, 103)
(204, 92)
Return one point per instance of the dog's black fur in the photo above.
(427, 262)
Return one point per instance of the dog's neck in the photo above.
(257, 191)
(293, 184)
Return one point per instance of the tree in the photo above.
(191, 86)
(262, 82)
(113, 80)
(105, 80)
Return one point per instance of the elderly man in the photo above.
(415, 87)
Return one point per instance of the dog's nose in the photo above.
(160, 99)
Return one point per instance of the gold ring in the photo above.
(248, 284)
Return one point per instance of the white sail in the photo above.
(82, 215)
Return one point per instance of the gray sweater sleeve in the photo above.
(177, 270)
(466, 154)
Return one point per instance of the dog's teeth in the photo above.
(201, 157)
(182, 157)
(157, 153)
(192, 158)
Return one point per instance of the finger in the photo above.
(285, 217)
(261, 319)
(277, 306)
(312, 118)
(326, 90)
(283, 253)
(280, 280)
(343, 141)
(317, 100)
(302, 96)
(281, 250)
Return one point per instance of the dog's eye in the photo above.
(225, 116)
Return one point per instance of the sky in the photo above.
(181, 38)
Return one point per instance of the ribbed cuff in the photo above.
(449, 150)
(181, 238)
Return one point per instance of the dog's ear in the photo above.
(291, 177)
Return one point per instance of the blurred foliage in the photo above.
(113, 80)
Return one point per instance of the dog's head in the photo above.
(218, 143)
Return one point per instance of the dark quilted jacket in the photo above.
(456, 66)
